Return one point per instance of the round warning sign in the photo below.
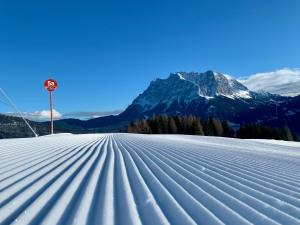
(50, 85)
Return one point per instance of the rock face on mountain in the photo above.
(186, 87)
(202, 94)
(212, 94)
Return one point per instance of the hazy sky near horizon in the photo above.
(104, 53)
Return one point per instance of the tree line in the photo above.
(193, 125)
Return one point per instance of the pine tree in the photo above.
(145, 128)
(190, 124)
(289, 135)
(197, 127)
(131, 128)
(172, 126)
(164, 124)
(218, 128)
(154, 125)
(209, 128)
(227, 131)
(178, 123)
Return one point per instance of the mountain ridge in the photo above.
(213, 94)
(205, 95)
(182, 86)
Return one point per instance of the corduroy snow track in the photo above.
(131, 179)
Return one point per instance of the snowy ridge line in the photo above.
(130, 179)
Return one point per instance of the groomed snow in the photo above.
(129, 179)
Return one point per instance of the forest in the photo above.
(193, 125)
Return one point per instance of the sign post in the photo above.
(50, 85)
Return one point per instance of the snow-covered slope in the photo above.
(148, 179)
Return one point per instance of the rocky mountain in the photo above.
(212, 94)
(208, 94)
(186, 87)
(203, 94)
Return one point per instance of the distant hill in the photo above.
(15, 127)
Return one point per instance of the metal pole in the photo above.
(51, 112)
(17, 110)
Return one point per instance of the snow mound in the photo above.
(148, 179)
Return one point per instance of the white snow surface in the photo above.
(131, 179)
(180, 76)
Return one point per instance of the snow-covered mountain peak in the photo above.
(187, 86)
(211, 84)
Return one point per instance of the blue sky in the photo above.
(104, 53)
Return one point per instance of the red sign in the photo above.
(50, 84)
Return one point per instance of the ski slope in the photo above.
(130, 179)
